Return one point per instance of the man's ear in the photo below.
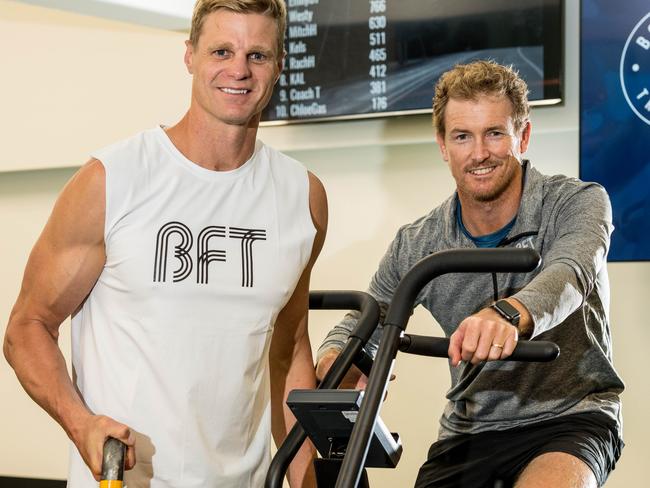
(189, 52)
(281, 62)
(525, 137)
(440, 139)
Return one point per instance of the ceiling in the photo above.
(163, 14)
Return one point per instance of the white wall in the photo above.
(72, 83)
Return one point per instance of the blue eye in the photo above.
(257, 56)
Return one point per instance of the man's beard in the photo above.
(503, 184)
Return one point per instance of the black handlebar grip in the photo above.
(537, 351)
(113, 464)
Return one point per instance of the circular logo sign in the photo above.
(635, 69)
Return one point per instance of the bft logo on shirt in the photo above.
(635, 69)
(526, 243)
(204, 255)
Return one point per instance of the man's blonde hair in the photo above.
(275, 9)
(468, 81)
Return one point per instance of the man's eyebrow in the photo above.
(261, 49)
(219, 45)
(268, 51)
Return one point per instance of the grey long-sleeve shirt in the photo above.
(569, 223)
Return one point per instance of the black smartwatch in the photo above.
(507, 311)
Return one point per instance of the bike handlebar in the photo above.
(353, 350)
(537, 351)
(444, 262)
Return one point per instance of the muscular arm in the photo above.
(62, 269)
(290, 356)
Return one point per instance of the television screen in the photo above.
(615, 117)
(358, 58)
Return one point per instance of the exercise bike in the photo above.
(366, 442)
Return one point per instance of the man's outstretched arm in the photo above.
(291, 359)
(62, 268)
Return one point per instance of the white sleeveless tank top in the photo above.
(173, 340)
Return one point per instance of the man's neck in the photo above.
(213, 145)
(483, 218)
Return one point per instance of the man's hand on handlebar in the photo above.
(354, 379)
(484, 336)
(91, 437)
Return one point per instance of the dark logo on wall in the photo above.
(635, 69)
(190, 257)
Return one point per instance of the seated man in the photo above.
(529, 424)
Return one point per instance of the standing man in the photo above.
(529, 424)
(183, 255)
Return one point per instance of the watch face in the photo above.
(635, 69)
(509, 312)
